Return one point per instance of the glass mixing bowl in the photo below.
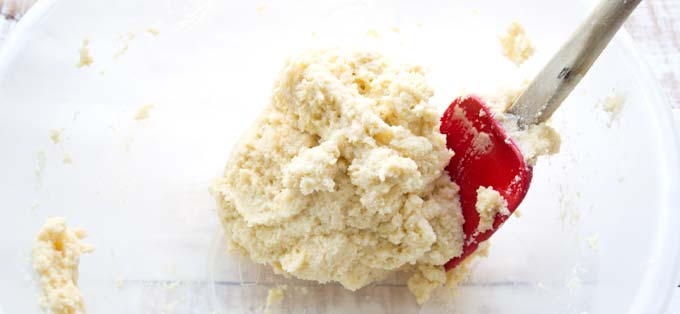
(598, 231)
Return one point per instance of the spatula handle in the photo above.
(559, 77)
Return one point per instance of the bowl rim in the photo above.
(665, 255)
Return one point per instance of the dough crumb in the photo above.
(569, 214)
(67, 160)
(594, 242)
(613, 105)
(153, 31)
(119, 283)
(573, 283)
(373, 34)
(489, 204)
(143, 112)
(517, 213)
(274, 297)
(261, 7)
(84, 52)
(515, 44)
(395, 29)
(55, 257)
(55, 135)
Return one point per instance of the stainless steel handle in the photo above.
(559, 77)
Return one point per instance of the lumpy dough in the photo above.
(489, 204)
(56, 255)
(342, 176)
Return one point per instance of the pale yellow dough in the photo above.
(55, 135)
(342, 176)
(56, 255)
(144, 112)
(274, 297)
(613, 105)
(85, 59)
(489, 204)
(537, 140)
(515, 44)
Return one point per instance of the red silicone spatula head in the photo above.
(484, 156)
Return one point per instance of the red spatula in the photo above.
(484, 154)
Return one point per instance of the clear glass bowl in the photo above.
(598, 232)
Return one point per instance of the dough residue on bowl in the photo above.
(342, 176)
(144, 112)
(274, 297)
(613, 105)
(55, 135)
(55, 257)
(84, 53)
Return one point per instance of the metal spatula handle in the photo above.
(559, 77)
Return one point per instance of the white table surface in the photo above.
(655, 26)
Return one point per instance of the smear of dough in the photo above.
(41, 156)
(537, 140)
(489, 204)
(84, 52)
(373, 33)
(274, 297)
(144, 112)
(342, 176)
(261, 7)
(67, 160)
(119, 283)
(153, 31)
(56, 255)
(126, 40)
(515, 44)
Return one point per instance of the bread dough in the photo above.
(56, 255)
(342, 176)
(516, 45)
